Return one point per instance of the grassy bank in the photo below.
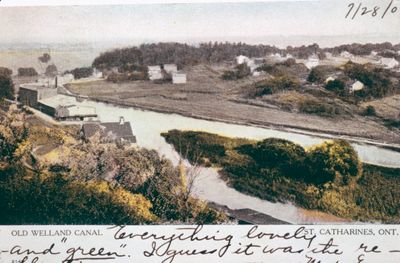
(327, 177)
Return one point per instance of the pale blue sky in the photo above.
(246, 22)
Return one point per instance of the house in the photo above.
(242, 59)
(30, 94)
(312, 61)
(110, 131)
(347, 55)
(154, 72)
(389, 63)
(178, 78)
(355, 86)
(170, 68)
(97, 74)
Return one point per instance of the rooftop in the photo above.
(116, 130)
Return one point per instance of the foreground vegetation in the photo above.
(49, 176)
(327, 177)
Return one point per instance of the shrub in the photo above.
(84, 72)
(287, 156)
(369, 111)
(333, 161)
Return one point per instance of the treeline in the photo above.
(217, 52)
(363, 49)
(180, 54)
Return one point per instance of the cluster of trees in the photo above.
(180, 54)
(92, 183)
(6, 84)
(362, 49)
(327, 177)
(80, 73)
(378, 81)
(27, 72)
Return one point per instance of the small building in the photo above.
(242, 59)
(347, 55)
(170, 68)
(120, 132)
(312, 61)
(64, 107)
(389, 63)
(30, 94)
(178, 78)
(355, 86)
(155, 72)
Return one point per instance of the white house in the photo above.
(97, 74)
(374, 53)
(312, 61)
(356, 86)
(347, 55)
(389, 62)
(154, 72)
(170, 68)
(242, 59)
(178, 78)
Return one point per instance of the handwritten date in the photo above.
(378, 11)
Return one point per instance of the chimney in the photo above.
(56, 82)
(121, 120)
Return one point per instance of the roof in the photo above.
(33, 86)
(59, 100)
(115, 130)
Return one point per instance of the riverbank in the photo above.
(205, 96)
(380, 140)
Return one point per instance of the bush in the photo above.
(287, 156)
(333, 161)
(240, 71)
(312, 106)
(369, 111)
(279, 83)
(337, 86)
(84, 72)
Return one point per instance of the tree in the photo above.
(316, 75)
(51, 70)
(337, 86)
(287, 156)
(44, 59)
(6, 86)
(5, 71)
(84, 72)
(333, 161)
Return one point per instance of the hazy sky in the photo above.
(246, 22)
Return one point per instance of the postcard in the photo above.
(200, 131)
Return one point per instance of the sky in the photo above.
(258, 22)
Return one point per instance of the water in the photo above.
(148, 126)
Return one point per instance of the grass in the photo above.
(374, 196)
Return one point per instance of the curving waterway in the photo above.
(148, 125)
